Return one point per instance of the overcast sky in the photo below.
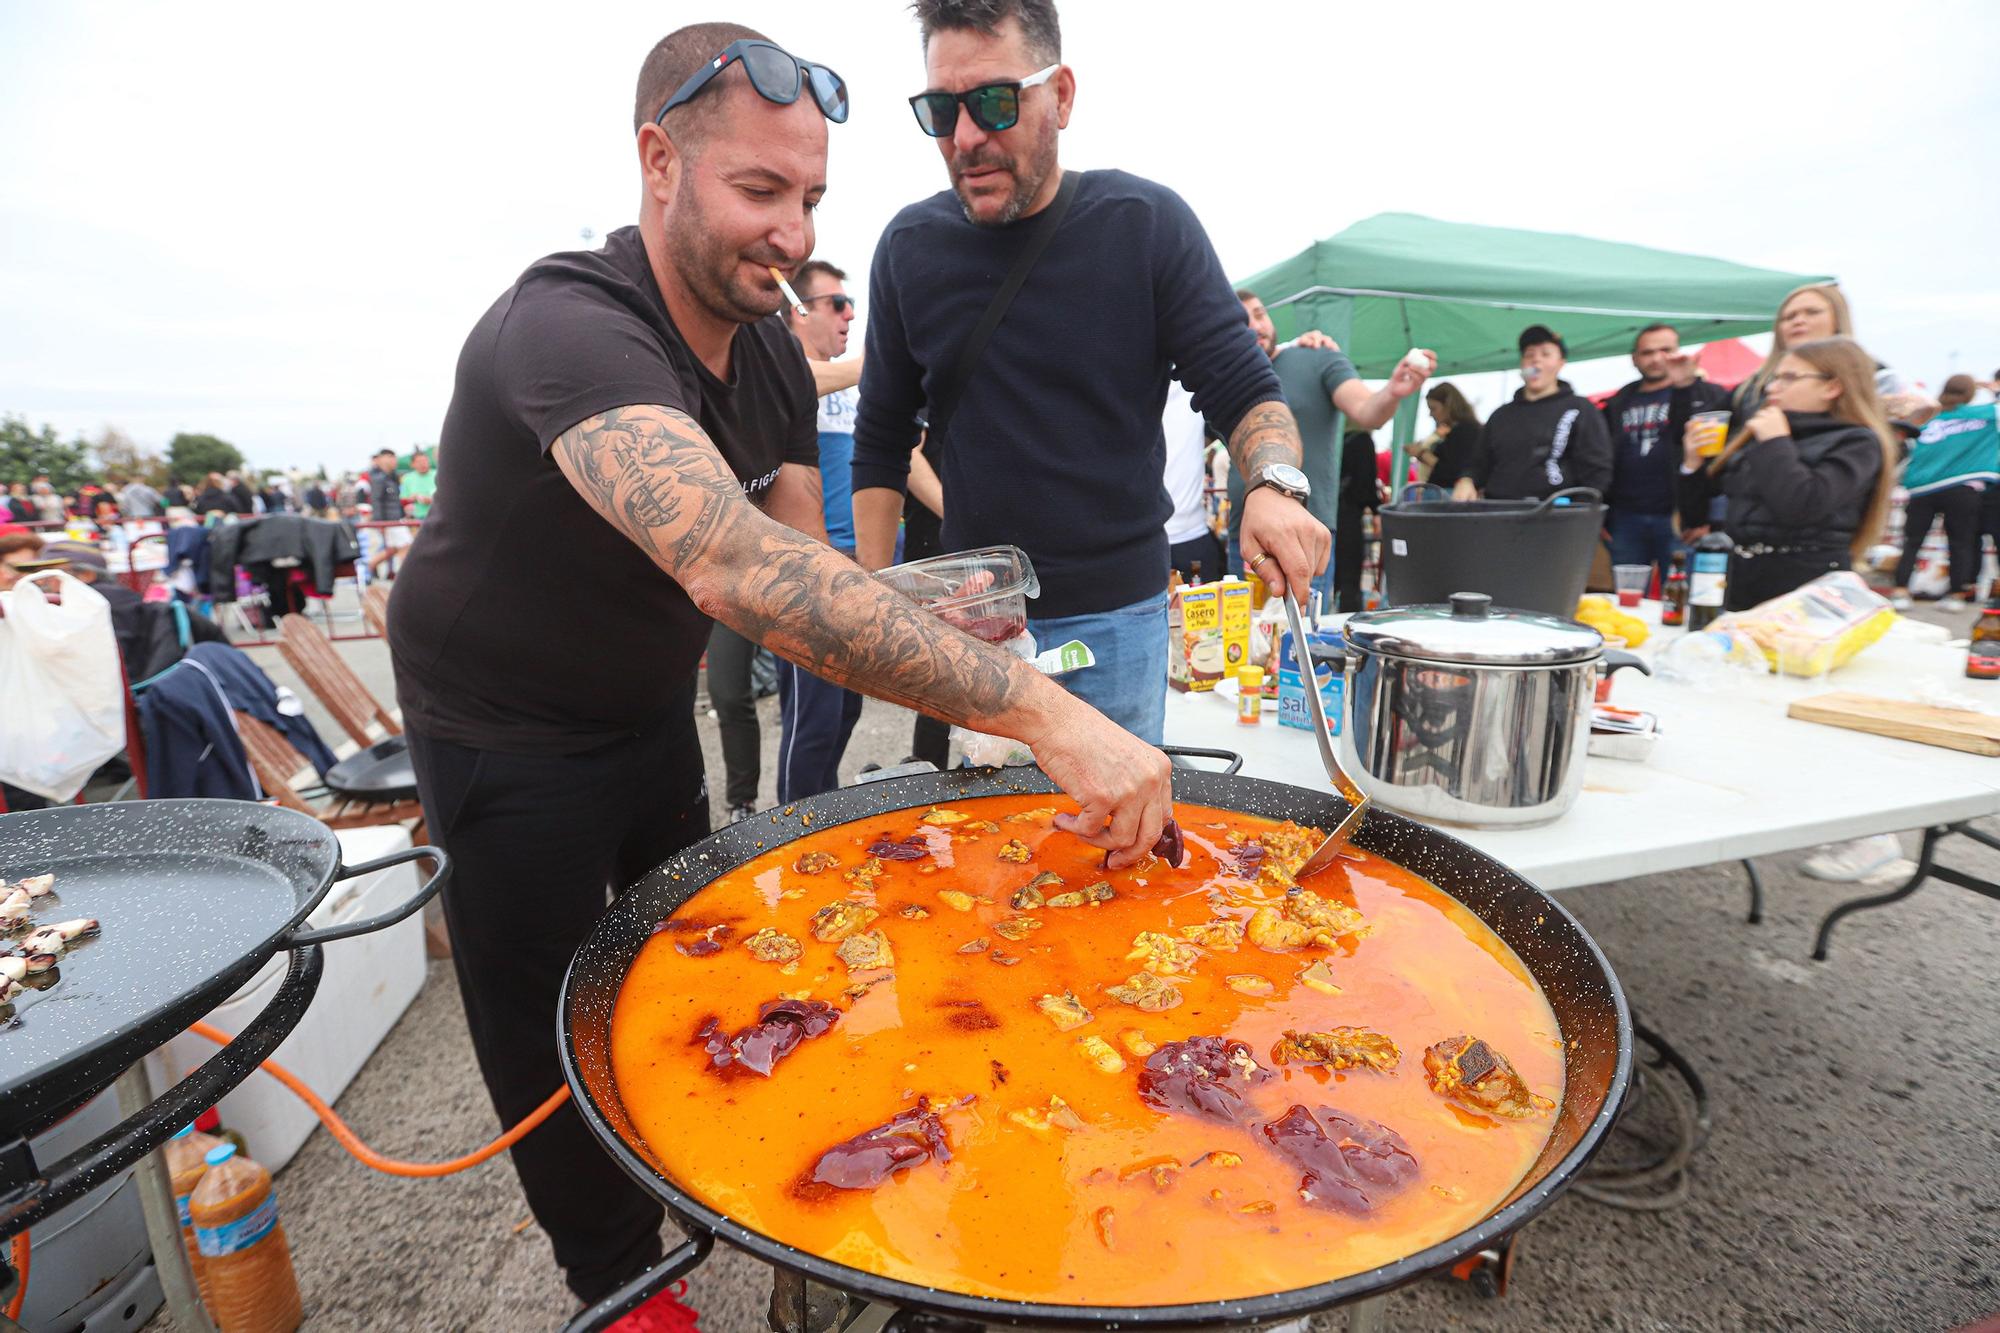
(276, 223)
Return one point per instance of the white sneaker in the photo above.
(1900, 602)
(1847, 862)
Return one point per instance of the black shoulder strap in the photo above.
(968, 357)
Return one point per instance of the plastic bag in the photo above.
(62, 694)
(987, 751)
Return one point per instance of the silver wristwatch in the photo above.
(1283, 478)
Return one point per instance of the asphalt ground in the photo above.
(1849, 1181)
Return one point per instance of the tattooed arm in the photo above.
(653, 474)
(1273, 522)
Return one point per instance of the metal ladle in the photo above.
(1356, 799)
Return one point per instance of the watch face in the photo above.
(1287, 476)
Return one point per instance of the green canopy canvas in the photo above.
(1399, 280)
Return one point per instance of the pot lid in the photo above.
(1471, 630)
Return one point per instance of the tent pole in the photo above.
(1404, 431)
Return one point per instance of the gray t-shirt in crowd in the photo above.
(1308, 376)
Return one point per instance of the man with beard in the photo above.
(1646, 420)
(1054, 444)
(640, 410)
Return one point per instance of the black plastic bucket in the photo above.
(1532, 555)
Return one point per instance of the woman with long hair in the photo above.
(1953, 468)
(1807, 478)
(1820, 310)
(1449, 449)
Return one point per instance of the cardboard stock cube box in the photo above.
(1196, 657)
(1234, 619)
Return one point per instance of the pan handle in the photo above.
(680, 1261)
(298, 939)
(125, 1143)
(1234, 760)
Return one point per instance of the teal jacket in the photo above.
(1960, 444)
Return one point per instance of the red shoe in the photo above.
(664, 1313)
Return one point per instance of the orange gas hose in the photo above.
(366, 1155)
(19, 1252)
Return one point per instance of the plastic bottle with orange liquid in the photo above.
(185, 1152)
(250, 1286)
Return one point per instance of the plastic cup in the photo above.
(1708, 430)
(1631, 582)
(1604, 677)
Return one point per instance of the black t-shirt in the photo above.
(522, 620)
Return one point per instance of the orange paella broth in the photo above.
(1071, 1216)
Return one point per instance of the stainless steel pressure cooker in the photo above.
(1470, 715)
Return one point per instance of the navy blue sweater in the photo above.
(1055, 445)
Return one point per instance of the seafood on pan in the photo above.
(1163, 1083)
(26, 950)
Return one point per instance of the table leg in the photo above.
(1756, 892)
(1927, 868)
(163, 1221)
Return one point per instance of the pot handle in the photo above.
(137, 1135)
(679, 1262)
(1596, 496)
(299, 939)
(1618, 657)
(1233, 759)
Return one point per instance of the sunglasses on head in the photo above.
(840, 302)
(992, 106)
(775, 73)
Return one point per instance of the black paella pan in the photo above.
(192, 897)
(1565, 962)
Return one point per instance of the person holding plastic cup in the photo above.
(1648, 419)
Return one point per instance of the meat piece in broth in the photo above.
(1468, 1071)
(781, 1026)
(1202, 1076)
(1338, 1048)
(1351, 1164)
(872, 1156)
(866, 952)
(836, 921)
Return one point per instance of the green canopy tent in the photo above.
(1398, 280)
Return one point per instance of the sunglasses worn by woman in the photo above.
(776, 74)
(992, 106)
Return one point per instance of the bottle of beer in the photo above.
(1708, 570)
(1982, 662)
(1674, 593)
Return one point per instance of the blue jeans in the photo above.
(816, 719)
(1643, 539)
(1129, 682)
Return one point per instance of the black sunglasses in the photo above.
(840, 301)
(775, 73)
(992, 106)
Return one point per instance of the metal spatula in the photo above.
(1355, 798)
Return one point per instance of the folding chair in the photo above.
(375, 607)
(305, 646)
(274, 761)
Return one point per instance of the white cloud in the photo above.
(278, 224)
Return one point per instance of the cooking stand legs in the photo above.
(163, 1223)
(1756, 892)
(1927, 868)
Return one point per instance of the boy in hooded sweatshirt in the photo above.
(1547, 439)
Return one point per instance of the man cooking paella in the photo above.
(643, 405)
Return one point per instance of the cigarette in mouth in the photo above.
(786, 288)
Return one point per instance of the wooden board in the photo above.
(1953, 728)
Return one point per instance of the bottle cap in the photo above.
(183, 1131)
(218, 1155)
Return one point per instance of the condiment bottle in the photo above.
(1249, 694)
(1706, 583)
(251, 1285)
(185, 1153)
(1674, 593)
(1982, 661)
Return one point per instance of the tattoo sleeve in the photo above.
(1267, 434)
(655, 476)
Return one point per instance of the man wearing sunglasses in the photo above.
(1054, 443)
(639, 409)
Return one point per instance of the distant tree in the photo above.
(118, 455)
(26, 453)
(192, 457)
